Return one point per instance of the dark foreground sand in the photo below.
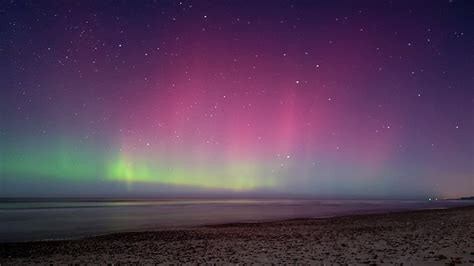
(427, 237)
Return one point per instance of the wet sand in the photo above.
(427, 237)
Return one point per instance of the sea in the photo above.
(49, 219)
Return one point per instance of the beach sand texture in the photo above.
(428, 236)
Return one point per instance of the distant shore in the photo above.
(430, 236)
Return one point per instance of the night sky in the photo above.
(366, 99)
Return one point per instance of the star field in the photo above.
(325, 98)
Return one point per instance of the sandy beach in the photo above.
(428, 236)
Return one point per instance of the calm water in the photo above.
(22, 220)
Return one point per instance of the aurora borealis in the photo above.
(322, 98)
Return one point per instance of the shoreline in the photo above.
(262, 221)
(415, 236)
